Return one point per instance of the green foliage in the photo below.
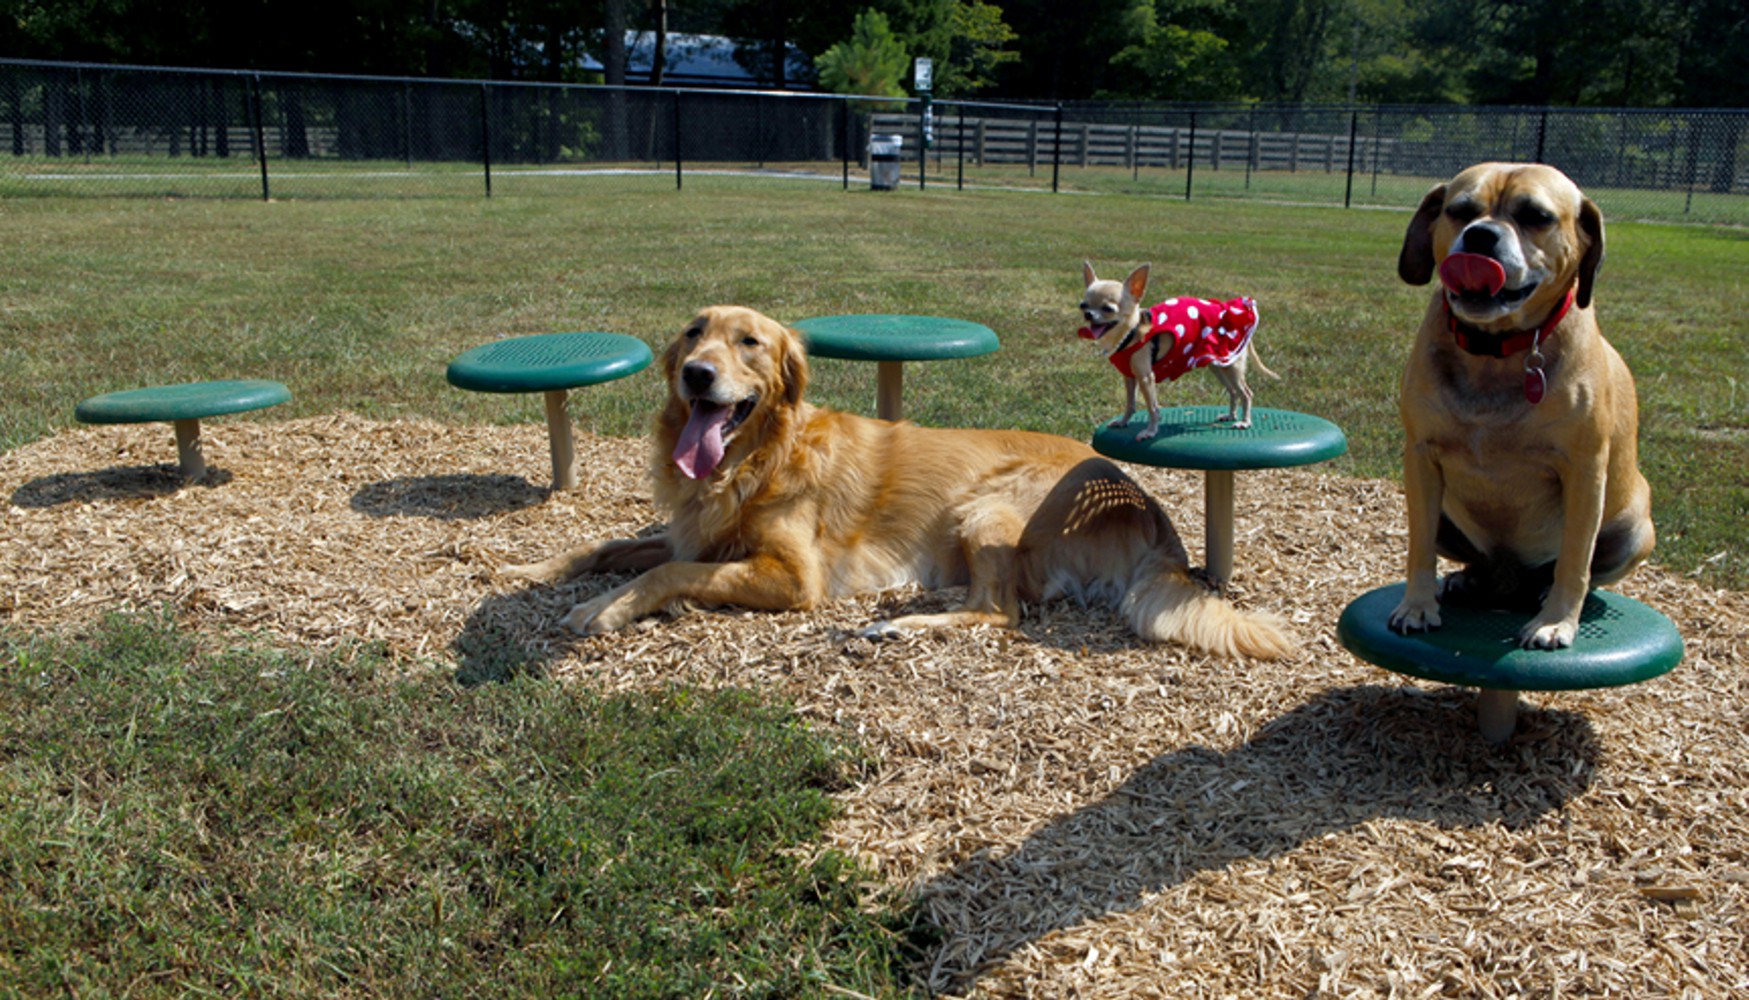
(1692, 53)
(241, 821)
(870, 62)
(1173, 62)
(978, 48)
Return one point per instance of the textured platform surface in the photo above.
(189, 401)
(1192, 437)
(896, 338)
(1620, 641)
(549, 361)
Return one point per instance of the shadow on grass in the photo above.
(1344, 758)
(134, 482)
(459, 497)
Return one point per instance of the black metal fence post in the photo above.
(844, 138)
(407, 121)
(1190, 161)
(1542, 135)
(1057, 148)
(1250, 145)
(1353, 132)
(960, 143)
(260, 133)
(923, 144)
(486, 136)
(678, 180)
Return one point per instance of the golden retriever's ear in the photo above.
(1591, 225)
(794, 365)
(1415, 263)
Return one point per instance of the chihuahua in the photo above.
(1162, 342)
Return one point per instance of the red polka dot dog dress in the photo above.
(1185, 334)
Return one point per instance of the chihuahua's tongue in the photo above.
(700, 448)
(1472, 273)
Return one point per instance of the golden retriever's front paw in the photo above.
(1541, 634)
(603, 614)
(1416, 616)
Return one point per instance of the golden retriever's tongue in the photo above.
(1471, 273)
(700, 447)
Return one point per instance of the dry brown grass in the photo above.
(1080, 814)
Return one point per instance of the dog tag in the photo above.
(1535, 384)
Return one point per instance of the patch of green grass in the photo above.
(189, 821)
(359, 305)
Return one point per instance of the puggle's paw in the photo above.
(1118, 421)
(1147, 433)
(1540, 634)
(881, 631)
(1415, 616)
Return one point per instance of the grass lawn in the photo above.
(188, 820)
(194, 814)
(359, 305)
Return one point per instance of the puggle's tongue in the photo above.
(1472, 273)
(700, 448)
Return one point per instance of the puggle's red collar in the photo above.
(1506, 343)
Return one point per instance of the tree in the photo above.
(870, 62)
(1175, 61)
(977, 48)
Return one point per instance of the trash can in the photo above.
(883, 161)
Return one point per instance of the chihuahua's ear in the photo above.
(1415, 262)
(1137, 283)
(1087, 275)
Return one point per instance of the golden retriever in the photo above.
(777, 504)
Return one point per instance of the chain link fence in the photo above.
(79, 129)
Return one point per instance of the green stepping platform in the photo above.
(1619, 641)
(551, 364)
(183, 406)
(891, 341)
(1194, 437)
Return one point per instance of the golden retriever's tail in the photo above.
(1165, 604)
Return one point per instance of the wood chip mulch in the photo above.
(1080, 814)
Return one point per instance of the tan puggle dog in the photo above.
(1208, 334)
(774, 503)
(1521, 459)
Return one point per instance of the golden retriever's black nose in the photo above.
(699, 376)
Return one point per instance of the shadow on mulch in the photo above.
(459, 497)
(1340, 760)
(517, 633)
(136, 482)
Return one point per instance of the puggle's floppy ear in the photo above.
(1591, 224)
(1415, 263)
(1137, 283)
